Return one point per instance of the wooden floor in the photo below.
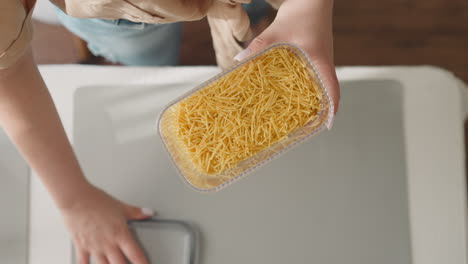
(383, 32)
(367, 32)
(403, 32)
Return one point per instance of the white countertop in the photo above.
(434, 152)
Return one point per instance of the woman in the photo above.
(97, 221)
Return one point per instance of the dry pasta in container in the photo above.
(244, 117)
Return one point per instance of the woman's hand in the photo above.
(308, 24)
(96, 221)
(98, 225)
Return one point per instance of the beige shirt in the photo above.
(228, 21)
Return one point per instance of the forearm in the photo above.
(28, 116)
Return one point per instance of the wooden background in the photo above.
(382, 32)
(367, 32)
(403, 32)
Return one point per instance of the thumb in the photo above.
(258, 44)
(136, 213)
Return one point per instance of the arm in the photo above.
(96, 221)
(32, 123)
(308, 24)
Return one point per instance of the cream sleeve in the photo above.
(15, 31)
(229, 24)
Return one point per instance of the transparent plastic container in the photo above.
(167, 126)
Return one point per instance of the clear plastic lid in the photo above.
(245, 117)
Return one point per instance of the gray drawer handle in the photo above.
(186, 227)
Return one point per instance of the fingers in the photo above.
(115, 256)
(261, 42)
(258, 44)
(327, 73)
(324, 66)
(131, 250)
(100, 259)
(82, 257)
(136, 213)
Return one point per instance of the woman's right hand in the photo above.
(98, 226)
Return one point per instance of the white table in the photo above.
(432, 111)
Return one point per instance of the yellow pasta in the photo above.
(234, 118)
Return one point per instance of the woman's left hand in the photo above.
(308, 24)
